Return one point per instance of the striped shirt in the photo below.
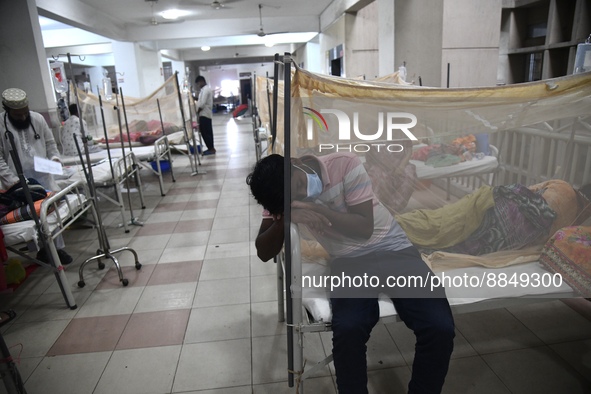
(346, 183)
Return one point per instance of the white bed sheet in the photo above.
(101, 173)
(144, 153)
(22, 232)
(473, 167)
(316, 301)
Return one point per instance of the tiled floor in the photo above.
(200, 316)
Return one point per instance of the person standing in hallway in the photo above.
(205, 114)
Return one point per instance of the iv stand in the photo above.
(194, 167)
(105, 249)
(133, 220)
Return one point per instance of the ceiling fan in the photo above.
(155, 21)
(261, 32)
(215, 4)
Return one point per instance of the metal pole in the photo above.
(286, 201)
(195, 153)
(132, 219)
(275, 93)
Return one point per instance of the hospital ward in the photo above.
(353, 211)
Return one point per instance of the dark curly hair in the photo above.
(266, 183)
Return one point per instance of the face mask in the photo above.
(314, 184)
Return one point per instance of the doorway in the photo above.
(335, 60)
(335, 67)
(245, 90)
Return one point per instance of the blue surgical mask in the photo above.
(314, 188)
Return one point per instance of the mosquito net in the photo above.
(166, 111)
(432, 158)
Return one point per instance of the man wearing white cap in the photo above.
(32, 137)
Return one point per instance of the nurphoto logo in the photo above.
(388, 123)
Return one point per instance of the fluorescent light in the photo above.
(173, 14)
(205, 48)
(269, 44)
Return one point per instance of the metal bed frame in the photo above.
(76, 201)
(299, 321)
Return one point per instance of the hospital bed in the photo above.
(309, 308)
(157, 153)
(57, 213)
(464, 172)
(453, 113)
(106, 174)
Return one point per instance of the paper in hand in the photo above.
(48, 166)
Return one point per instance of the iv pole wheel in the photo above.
(125, 282)
(81, 284)
(101, 265)
(138, 266)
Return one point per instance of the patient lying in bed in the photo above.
(498, 218)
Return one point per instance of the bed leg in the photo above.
(170, 161)
(160, 181)
(60, 275)
(138, 182)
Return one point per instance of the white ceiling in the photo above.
(230, 31)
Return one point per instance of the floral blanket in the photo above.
(568, 253)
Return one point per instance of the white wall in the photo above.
(125, 63)
(313, 57)
(176, 66)
(473, 58)
(333, 36)
(418, 25)
(150, 70)
(96, 75)
(361, 49)
(22, 55)
(386, 34)
(139, 70)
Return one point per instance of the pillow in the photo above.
(24, 213)
(568, 253)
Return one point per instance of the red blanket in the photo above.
(568, 253)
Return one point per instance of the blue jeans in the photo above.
(430, 319)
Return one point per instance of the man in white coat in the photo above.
(32, 137)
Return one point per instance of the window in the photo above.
(533, 66)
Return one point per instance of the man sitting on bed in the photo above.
(32, 137)
(333, 198)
